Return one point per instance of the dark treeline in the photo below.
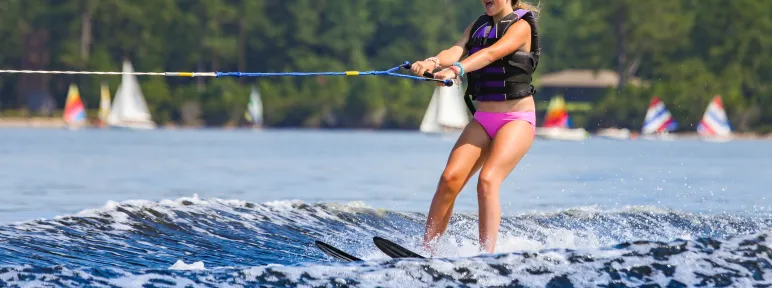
(686, 50)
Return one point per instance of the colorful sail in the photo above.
(658, 119)
(557, 114)
(74, 111)
(714, 121)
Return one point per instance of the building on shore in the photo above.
(579, 88)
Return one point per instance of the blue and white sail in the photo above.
(714, 122)
(658, 119)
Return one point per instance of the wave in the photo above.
(243, 243)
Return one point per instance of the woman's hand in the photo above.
(419, 67)
(445, 75)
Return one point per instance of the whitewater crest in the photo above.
(194, 241)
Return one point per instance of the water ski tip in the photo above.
(393, 249)
(335, 252)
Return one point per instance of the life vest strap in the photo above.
(504, 97)
(482, 41)
(517, 89)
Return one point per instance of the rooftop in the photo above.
(574, 78)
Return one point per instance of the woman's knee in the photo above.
(452, 180)
(488, 185)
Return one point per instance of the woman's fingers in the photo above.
(418, 68)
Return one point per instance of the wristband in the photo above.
(458, 64)
(456, 70)
(435, 60)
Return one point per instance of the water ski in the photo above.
(335, 252)
(393, 249)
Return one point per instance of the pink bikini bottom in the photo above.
(492, 121)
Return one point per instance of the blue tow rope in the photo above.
(427, 76)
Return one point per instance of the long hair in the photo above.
(520, 4)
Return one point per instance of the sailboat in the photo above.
(254, 113)
(129, 109)
(447, 113)
(104, 104)
(74, 112)
(714, 125)
(658, 122)
(557, 123)
(614, 133)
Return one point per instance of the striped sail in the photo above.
(714, 121)
(658, 119)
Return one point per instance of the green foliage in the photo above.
(686, 50)
(625, 108)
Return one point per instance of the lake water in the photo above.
(563, 195)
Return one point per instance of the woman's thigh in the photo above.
(510, 144)
(468, 153)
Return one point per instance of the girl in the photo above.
(503, 53)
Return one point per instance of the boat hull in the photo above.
(717, 139)
(563, 134)
(659, 137)
(133, 126)
(614, 134)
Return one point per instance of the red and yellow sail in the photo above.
(557, 114)
(74, 111)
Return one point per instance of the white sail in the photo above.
(129, 109)
(452, 110)
(430, 124)
(446, 111)
(255, 108)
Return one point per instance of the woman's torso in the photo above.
(525, 104)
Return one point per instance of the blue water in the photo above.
(120, 208)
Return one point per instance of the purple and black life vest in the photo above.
(509, 77)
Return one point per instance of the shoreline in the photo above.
(58, 123)
(32, 122)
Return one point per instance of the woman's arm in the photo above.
(451, 55)
(445, 58)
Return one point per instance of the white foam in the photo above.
(144, 279)
(180, 265)
(413, 272)
(528, 233)
(358, 204)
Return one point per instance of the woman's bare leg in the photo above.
(509, 146)
(468, 154)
